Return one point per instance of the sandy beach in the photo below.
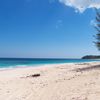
(79, 81)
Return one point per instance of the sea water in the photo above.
(27, 62)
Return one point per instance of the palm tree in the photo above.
(97, 26)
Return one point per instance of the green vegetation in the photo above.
(97, 26)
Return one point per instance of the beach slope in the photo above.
(52, 82)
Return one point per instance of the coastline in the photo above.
(44, 65)
(71, 81)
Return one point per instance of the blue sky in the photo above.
(45, 28)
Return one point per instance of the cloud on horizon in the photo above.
(81, 5)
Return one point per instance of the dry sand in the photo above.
(59, 82)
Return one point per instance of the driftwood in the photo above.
(34, 75)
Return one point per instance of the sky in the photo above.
(47, 28)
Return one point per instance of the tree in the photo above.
(97, 26)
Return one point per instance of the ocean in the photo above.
(29, 62)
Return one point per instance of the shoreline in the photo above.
(43, 65)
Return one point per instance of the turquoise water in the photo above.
(26, 62)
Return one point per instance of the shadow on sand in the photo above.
(87, 68)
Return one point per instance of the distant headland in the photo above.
(91, 57)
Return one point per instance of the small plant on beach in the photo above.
(97, 26)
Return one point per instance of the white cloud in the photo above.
(59, 23)
(93, 23)
(82, 5)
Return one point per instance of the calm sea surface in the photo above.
(26, 62)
